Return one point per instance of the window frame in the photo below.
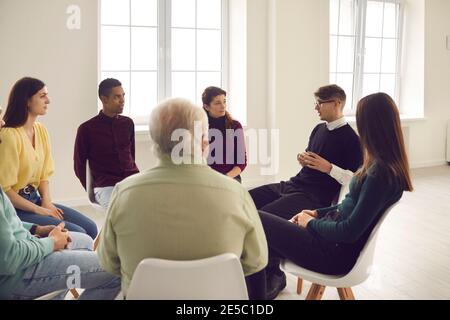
(164, 54)
(359, 48)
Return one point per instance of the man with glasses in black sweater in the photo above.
(329, 162)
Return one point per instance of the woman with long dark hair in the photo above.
(329, 240)
(27, 163)
(227, 142)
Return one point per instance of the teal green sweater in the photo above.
(18, 248)
(360, 210)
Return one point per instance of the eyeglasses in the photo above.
(320, 103)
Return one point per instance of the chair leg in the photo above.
(75, 293)
(315, 292)
(299, 285)
(96, 241)
(346, 294)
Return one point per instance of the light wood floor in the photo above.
(412, 259)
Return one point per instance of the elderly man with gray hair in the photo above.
(181, 209)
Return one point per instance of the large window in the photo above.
(162, 48)
(365, 46)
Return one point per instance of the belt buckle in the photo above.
(27, 190)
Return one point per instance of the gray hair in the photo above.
(176, 119)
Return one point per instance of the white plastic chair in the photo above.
(345, 188)
(90, 190)
(51, 295)
(91, 197)
(359, 273)
(216, 278)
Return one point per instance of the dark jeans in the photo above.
(74, 220)
(282, 199)
(289, 241)
(256, 285)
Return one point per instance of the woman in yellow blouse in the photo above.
(26, 162)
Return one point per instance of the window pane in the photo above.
(387, 84)
(115, 48)
(183, 13)
(115, 12)
(144, 48)
(390, 20)
(333, 78)
(209, 14)
(346, 54)
(333, 53)
(144, 12)
(144, 88)
(183, 49)
(183, 85)
(372, 57)
(345, 81)
(347, 18)
(374, 19)
(209, 50)
(371, 84)
(124, 78)
(389, 58)
(205, 80)
(334, 16)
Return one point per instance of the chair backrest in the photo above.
(341, 195)
(217, 278)
(90, 189)
(89, 181)
(361, 270)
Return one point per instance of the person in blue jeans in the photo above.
(36, 260)
(27, 163)
(74, 220)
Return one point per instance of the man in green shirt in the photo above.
(181, 209)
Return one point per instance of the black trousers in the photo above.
(282, 199)
(289, 241)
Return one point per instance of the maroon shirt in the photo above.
(108, 144)
(232, 152)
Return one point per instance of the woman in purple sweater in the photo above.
(227, 153)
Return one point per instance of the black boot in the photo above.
(275, 279)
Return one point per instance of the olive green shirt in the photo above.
(180, 212)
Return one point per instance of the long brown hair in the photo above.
(207, 97)
(378, 122)
(16, 114)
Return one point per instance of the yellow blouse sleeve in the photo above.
(10, 148)
(49, 168)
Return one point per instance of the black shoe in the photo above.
(275, 284)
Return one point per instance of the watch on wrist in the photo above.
(33, 229)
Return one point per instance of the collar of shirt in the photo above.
(188, 160)
(336, 124)
(216, 121)
(105, 118)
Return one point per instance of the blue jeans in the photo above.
(103, 195)
(74, 220)
(66, 269)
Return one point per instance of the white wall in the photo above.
(35, 42)
(412, 93)
(428, 138)
(287, 60)
(301, 67)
